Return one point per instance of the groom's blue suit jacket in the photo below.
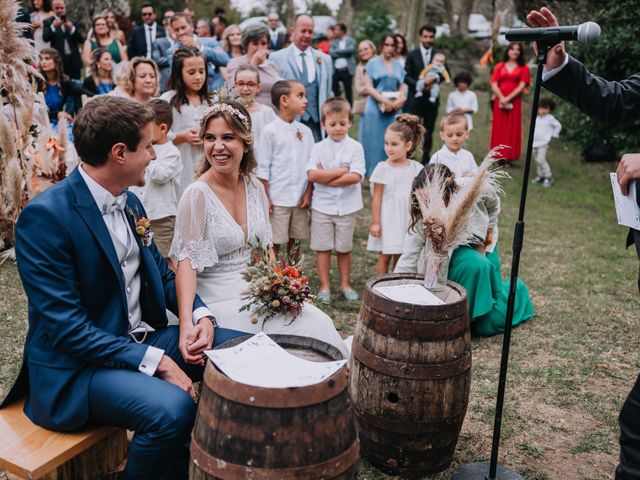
(78, 318)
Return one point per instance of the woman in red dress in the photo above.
(508, 80)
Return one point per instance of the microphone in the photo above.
(587, 32)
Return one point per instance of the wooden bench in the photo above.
(32, 452)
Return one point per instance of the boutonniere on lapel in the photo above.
(319, 60)
(299, 134)
(143, 228)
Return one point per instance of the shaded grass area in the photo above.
(571, 366)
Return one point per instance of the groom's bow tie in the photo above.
(114, 203)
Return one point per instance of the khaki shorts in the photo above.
(289, 223)
(329, 232)
(162, 229)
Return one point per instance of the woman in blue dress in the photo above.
(384, 77)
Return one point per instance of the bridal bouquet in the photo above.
(277, 286)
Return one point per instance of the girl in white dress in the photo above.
(218, 214)
(391, 188)
(247, 85)
(188, 95)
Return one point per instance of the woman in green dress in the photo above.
(100, 37)
(476, 266)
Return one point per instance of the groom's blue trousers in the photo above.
(161, 414)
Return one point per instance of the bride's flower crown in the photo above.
(226, 108)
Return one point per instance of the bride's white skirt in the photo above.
(221, 291)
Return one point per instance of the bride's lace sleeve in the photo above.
(191, 238)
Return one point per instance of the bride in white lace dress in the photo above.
(217, 215)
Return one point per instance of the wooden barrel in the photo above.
(410, 378)
(242, 431)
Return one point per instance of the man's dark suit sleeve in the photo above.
(47, 33)
(412, 72)
(132, 51)
(614, 103)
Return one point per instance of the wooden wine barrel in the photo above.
(410, 378)
(242, 431)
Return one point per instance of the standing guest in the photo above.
(384, 79)
(508, 80)
(390, 182)
(100, 37)
(417, 59)
(336, 167)
(463, 100)
(344, 65)
(255, 41)
(61, 94)
(401, 48)
(114, 28)
(547, 127)
(216, 58)
(276, 35)
(283, 153)
(204, 28)
(188, 96)
(162, 179)
(162, 57)
(310, 67)
(65, 36)
(139, 81)
(100, 81)
(190, 13)
(615, 103)
(232, 41)
(247, 85)
(106, 356)
(219, 22)
(143, 37)
(40, 12)
(366, 51)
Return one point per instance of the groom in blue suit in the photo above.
(98, 350)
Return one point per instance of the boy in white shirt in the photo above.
(161, 192)
(463, 100)
(454, 132)
(283, 153)
(547, 127)
(336, 167)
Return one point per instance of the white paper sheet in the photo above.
(261, 362)
(627, 209)
(409, 293)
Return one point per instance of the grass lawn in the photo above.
(571, 366)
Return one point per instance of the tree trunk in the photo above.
(448, 8)
(291, 13)
(346, 14)
(415, 19)
(465, 10)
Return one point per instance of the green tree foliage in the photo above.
(616, 56)
(318, 7)
(372, 21)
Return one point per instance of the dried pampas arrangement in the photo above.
(32, 157)
(449, 225)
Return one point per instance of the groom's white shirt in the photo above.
(119, 230)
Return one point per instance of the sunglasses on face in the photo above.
(147, 14)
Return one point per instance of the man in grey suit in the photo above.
(615, 103)
(344, 65)
(161, 54)
(310, 67)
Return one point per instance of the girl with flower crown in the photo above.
(219, 214)
(189, 96)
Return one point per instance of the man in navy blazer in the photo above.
(145, 35)
(98, 350)
(614, 103)
(65, 36)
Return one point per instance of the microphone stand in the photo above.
(491, 470)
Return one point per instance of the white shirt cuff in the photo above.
(198, 313)
(547, 73)
(151, 360)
